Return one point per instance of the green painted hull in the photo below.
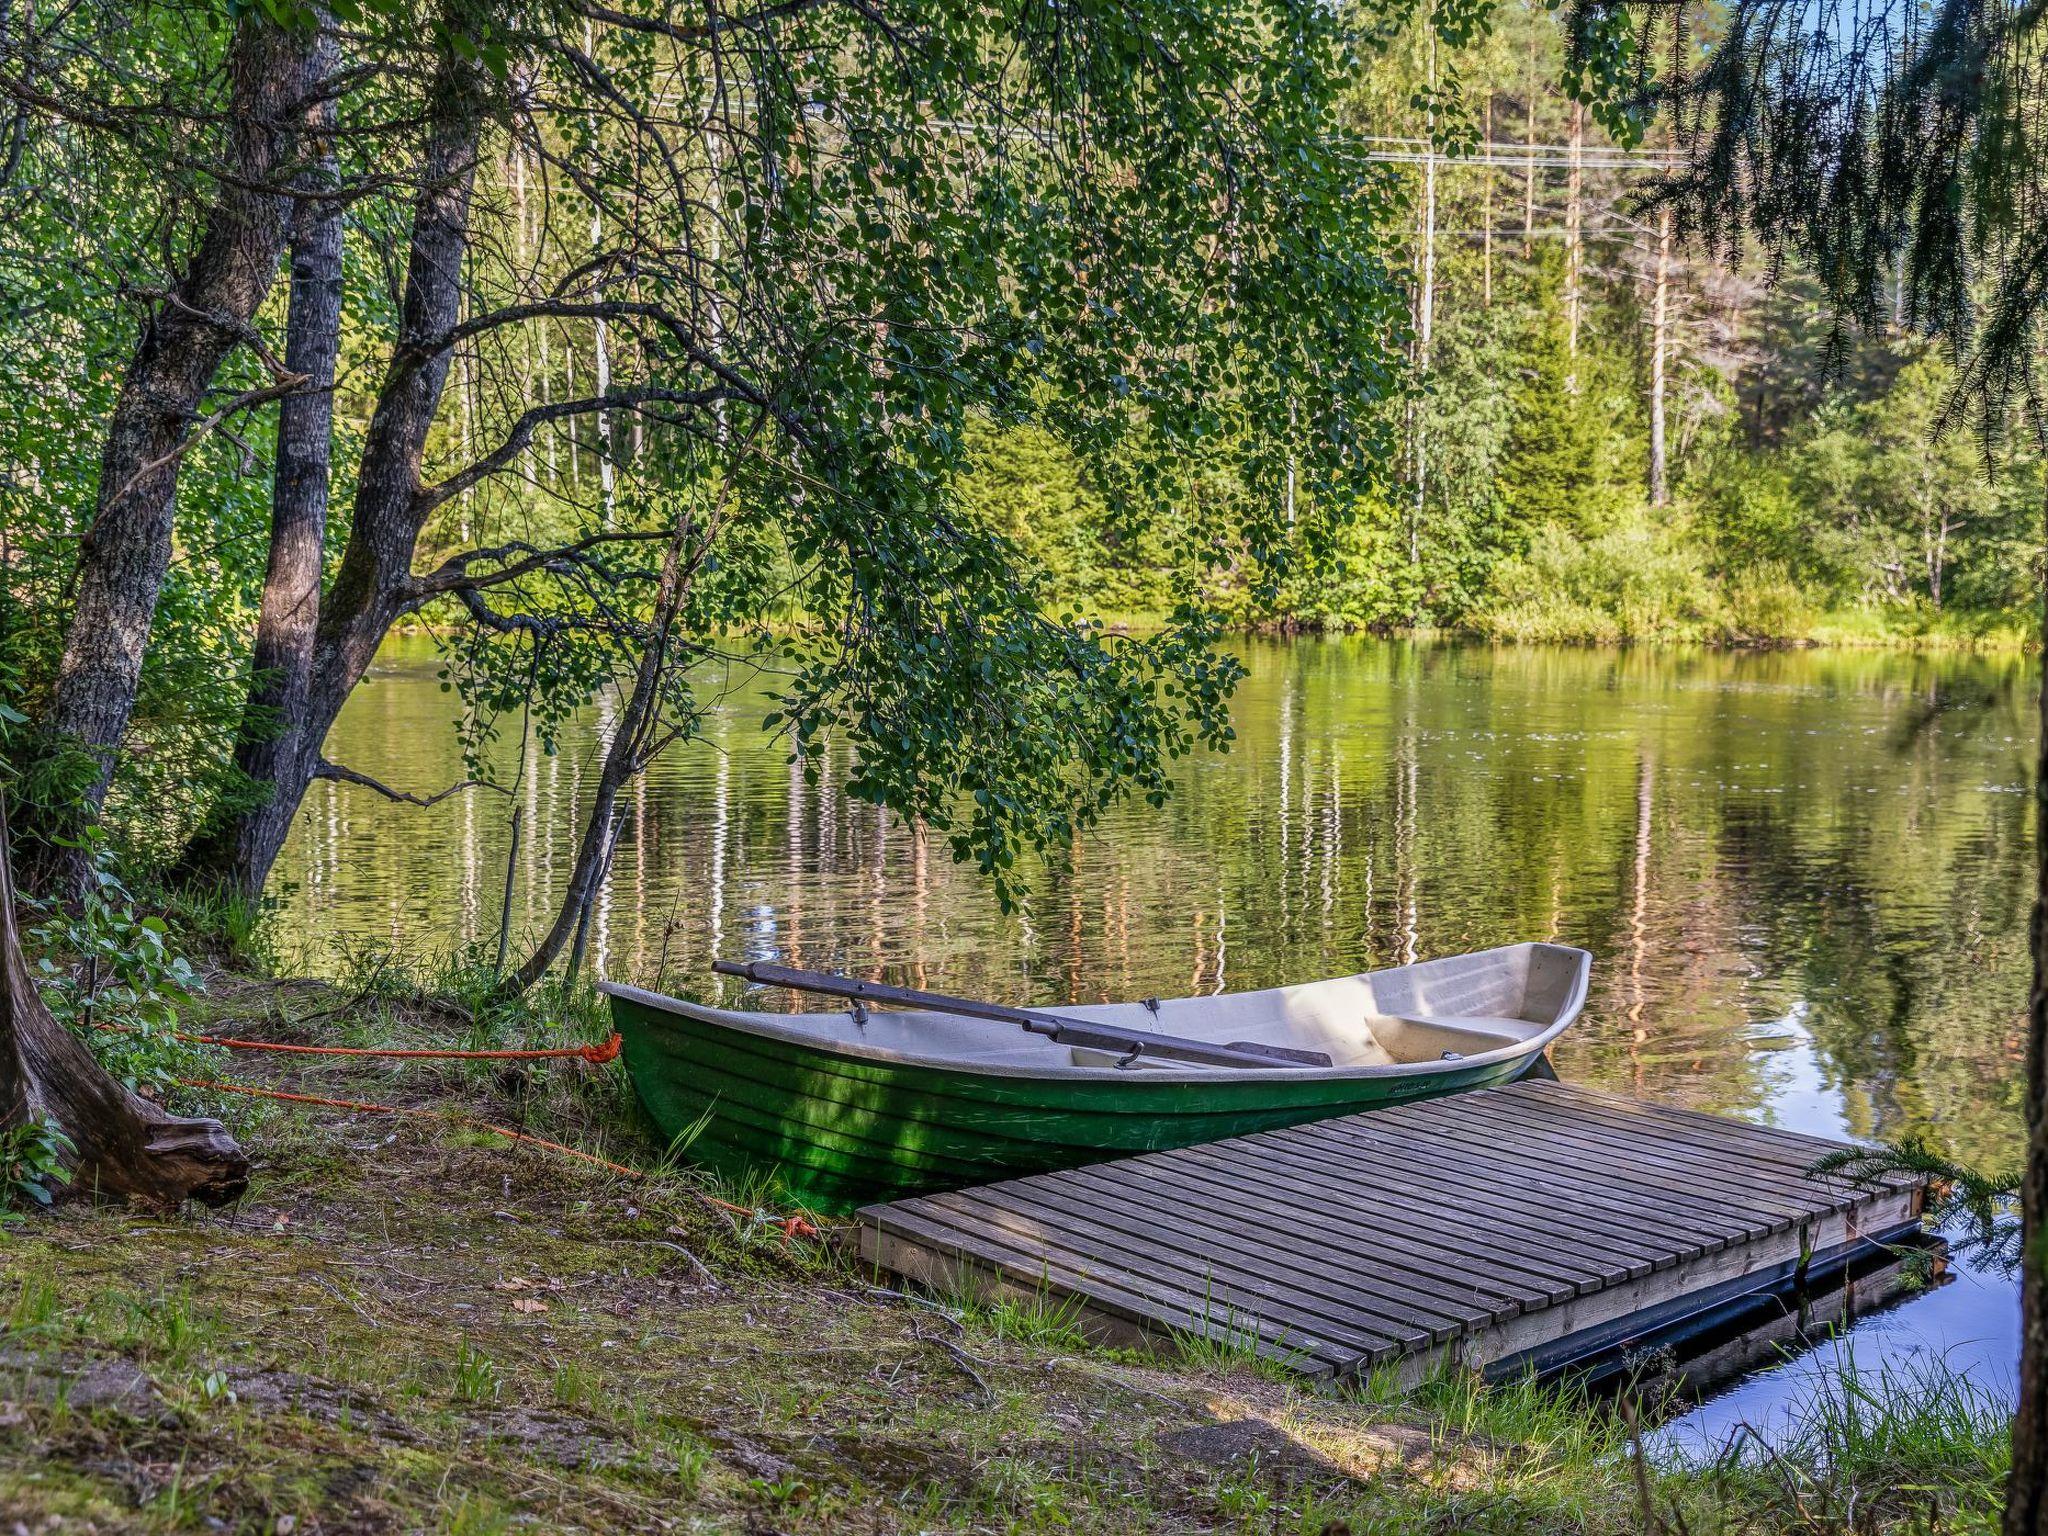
(842, 1130)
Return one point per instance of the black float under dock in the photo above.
(1532, 1224)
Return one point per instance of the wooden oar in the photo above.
(1067, 1031)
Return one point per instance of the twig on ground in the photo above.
(703, 1269)
(959, 1357)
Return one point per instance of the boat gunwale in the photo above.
(765, 1025)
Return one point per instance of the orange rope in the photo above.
(792, 1226)
(596, 1055)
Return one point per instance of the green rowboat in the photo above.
(852, 1107)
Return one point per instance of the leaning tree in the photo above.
(764, 266)
(218, 113)
(1898, 153)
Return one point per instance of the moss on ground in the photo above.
(410, 1325)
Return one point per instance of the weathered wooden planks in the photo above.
(1500, 1226)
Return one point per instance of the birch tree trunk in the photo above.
(235, 853)
(124, 555)
(625, 757)
(1660, 341)
(373, 584)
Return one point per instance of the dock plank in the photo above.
(1296, 1239)
(1575, 1201)
(1699, 1188)
(1496, 1226)
(1348, 1214)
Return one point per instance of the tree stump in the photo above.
(126, 1146)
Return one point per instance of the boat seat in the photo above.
(1419, 1037)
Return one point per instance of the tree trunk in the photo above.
(626, 756)
(373, 584)
(1425, 313)
(1529, 154)
(235, 853)
(123, 556)
(2026, 1501)
(1486, 209)
(125, 1146)
(1574, 256)
(1660, 342)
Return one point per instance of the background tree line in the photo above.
(1616, 436)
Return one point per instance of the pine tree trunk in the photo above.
(1574, 257)
(235, 852)
(2026, 1503)
(1425, 321)
(1486, 209)
(125, 1147)
(124, 555)
(1529, 161)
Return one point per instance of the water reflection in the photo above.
(1804, 876)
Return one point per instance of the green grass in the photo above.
(1919, 1443)
(410, 1327)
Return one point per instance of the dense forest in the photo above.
(1610, 437)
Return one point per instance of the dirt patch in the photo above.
(289, 1392)
(83, 1385)
(1238, 1443)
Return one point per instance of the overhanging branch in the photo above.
(454, 575)
(520, 437)
(323, 769)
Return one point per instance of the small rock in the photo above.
(756, 1462)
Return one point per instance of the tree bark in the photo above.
(125, 553)
(235, 853)
(2026, 1502)
(1486, 208)
(1660, 342)
(1574, 258)
(1425, 324)
(373, 584)
(125, 1146)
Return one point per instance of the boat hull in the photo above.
(840, 1130)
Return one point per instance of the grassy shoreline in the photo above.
(412, 1325)
(1856, 629)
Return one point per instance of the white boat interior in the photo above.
(1413, 1018)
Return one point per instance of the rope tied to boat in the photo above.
(792, 1226)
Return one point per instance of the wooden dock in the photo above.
(1531, 1224)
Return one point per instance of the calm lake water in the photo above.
(1804, 877)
